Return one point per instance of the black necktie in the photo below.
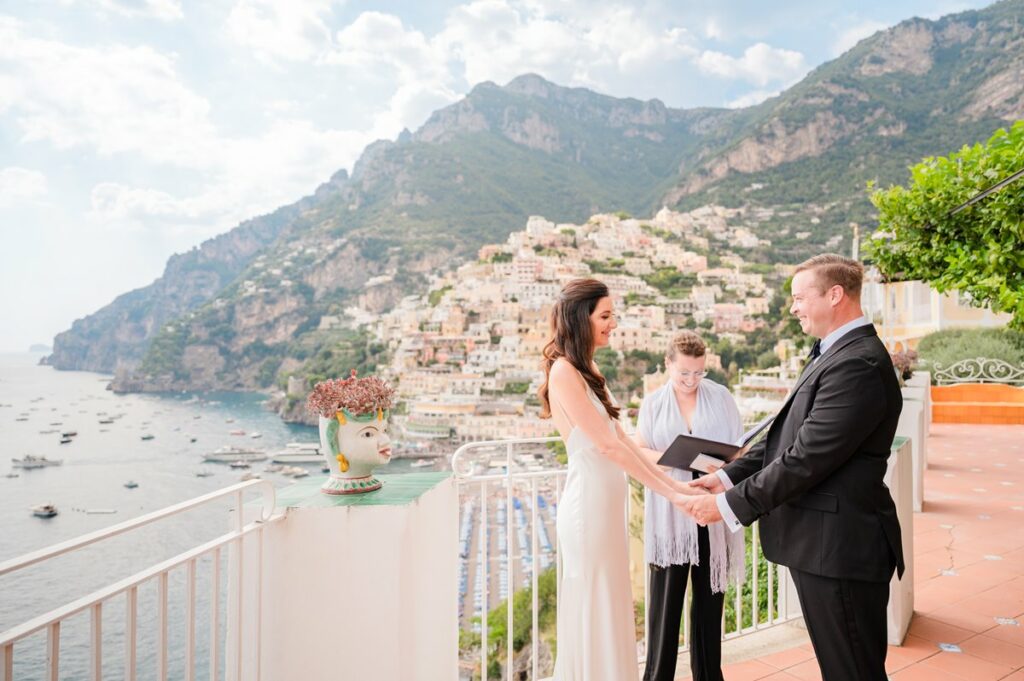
(815, 351)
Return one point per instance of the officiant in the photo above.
(674, 546)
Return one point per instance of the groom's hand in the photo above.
(704, 509)
(710, 482)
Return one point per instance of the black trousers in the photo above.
(665, 610)
(846, 621)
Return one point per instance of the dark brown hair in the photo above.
(572, 338)
(835, 270)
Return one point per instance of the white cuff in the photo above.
(728, 517)
(724, 477)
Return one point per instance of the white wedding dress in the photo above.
(596, 625)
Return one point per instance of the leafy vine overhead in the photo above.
(927, 232)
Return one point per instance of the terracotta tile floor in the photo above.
(973, 524)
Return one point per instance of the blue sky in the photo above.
(134, 129)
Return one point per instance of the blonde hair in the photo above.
(686, 343)
(835, 270)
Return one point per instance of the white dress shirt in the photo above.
(728, 517)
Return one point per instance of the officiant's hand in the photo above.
(704, 509)
(710, 483)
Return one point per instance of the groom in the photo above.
(815, 480)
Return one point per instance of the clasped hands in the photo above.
(697, 498)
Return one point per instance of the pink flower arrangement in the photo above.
(356, 396)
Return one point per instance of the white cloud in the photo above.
(751, 98)
(294, 30)
(854, 34)
(113, 99)
(18, 184)
(760, 65)
(164, 10)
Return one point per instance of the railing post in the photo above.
(161, 646)
(509, 566)
(96, 645)
(755, 562)
(240, 573)
(53, 652)
(190, 621)
(130, 632)
(485, 552)
(214, 613)
(7, 662)
(534, 580)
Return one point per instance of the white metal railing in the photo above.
(94, 603)
(472, 482)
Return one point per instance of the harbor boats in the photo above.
(65, 440)
(420, 463)
(147, 436)
(203, 474)
(69, 433)
(106, 421)
(236, 432)
(44, 511)
(227, 454)
(249, 476)
(30, 461)
(12, 474)
(298, 452)
(131, 484)
(240, 464)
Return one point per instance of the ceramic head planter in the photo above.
(354, 415)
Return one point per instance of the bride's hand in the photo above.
(687, 489)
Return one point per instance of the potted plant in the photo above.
(353, 414)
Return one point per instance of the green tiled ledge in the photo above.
(398, 490)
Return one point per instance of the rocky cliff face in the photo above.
(244, 310)
(918, 89)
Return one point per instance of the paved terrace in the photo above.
(969, 562)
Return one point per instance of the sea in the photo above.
(37, 405)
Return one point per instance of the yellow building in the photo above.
(907, 311)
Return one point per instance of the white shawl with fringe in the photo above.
(670, 536)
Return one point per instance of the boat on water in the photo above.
(30, 461)
(298, 452)
(69, 433)
(227, 454)
(203, 474)
(131, 484)
(420, 463)
(106, 421)
(11, 475)
(44, 511)
(148, 436)
(249, 476)
(240, 464)
(65, 440)
(255, 436)
(236, 432)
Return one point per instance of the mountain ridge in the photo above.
(475, 170)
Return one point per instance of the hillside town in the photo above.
(465, 357)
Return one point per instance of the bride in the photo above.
(596, 628)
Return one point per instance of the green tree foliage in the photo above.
(944, 348)
(977, 251)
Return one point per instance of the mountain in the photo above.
(260, 302)
(920, 89)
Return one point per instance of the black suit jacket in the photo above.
(815, 480)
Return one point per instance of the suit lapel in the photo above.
(860, 332)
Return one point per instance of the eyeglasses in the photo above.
(691, 375)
